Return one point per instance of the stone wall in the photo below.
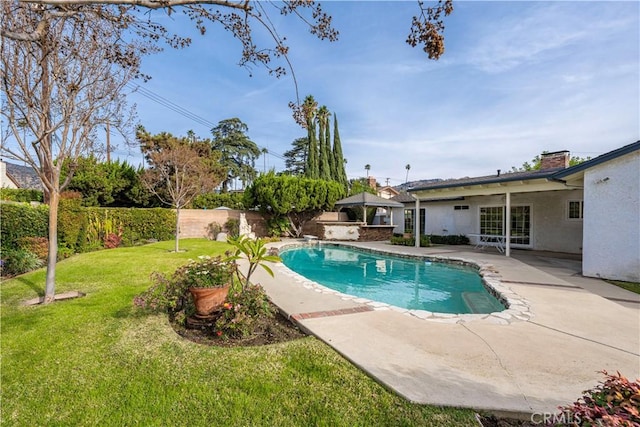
(354, 231)
(376, 233)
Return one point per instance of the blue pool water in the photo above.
(402, 282)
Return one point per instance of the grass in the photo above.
(99, 361)
(630, 286)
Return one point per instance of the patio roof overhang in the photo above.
(368, 199)
(488, 189)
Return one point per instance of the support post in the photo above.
(507, 234)
(417, 223)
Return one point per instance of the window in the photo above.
(520, 225)
(492, 223)
(408, 221)
(461, 207)
(576, 209)
(491, 220)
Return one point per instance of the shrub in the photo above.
(37, 245)
(216, 200)
(233, 227)
(72, 221)
(459, 239)
(112, 240)
(213, 229)
(22, 220)
(241, 312)
(410, 241)
(19, 261)
(133, 225)
(278, 226)
(21, 195)
(614, 402)
(169, 294)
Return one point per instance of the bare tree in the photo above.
(179, 170)
(61, 85)
(240, 16)
(65, 63)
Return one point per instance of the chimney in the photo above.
(371, 181)
(558, 159)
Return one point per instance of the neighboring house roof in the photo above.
(24, 176)
(403, 197)
(551, 174)
(389, 190)
(367, 199)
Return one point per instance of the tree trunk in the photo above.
(50, 286)
(177, 248)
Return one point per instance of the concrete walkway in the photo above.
(575, 327)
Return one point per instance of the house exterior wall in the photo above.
(398, 219)
(5, 181)
(612, 219)
(551, 230)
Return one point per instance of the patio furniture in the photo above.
(484, 240)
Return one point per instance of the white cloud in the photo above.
(517, 78)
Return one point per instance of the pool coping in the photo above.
(516, 309)
(521, 367)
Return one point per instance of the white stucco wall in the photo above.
(612, 219)
(342, 232)
(5, 182)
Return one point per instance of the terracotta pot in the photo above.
(208, 300)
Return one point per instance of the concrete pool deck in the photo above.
(576, 327)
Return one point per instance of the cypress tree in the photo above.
(332, 161)
(341, 174)
(323, 161)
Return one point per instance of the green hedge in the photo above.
(459, 239)
(72, 223)
(83, 229)
(21, 195)
(136, 225)
(216, 200)
(410, 241)
(22, 220)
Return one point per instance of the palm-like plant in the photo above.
(406, 179)
(367, 168)
(255, 252)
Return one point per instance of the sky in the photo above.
(517, 78)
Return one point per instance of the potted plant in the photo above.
(208, 280)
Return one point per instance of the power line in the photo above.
(184, 112)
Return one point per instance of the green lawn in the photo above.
(630, 286)
(98, 361)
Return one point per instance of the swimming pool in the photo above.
(408, 283)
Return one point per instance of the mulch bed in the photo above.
(268, 330)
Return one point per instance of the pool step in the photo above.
(479, 302)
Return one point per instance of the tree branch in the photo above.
(150, 4)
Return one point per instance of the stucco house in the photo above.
(591, 209)
(16, 176)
